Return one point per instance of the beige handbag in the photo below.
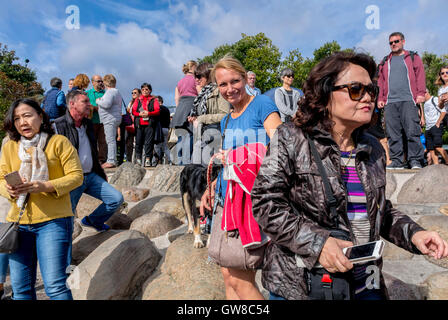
(229, 252)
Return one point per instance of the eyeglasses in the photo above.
(395, 41)
(356, 90)
(134, 92)
(443, 72)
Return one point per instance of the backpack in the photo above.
(381, 64)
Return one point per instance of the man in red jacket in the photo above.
(401, 79)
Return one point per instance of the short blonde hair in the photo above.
(188, 66)
(109, 80)
(439, 80)
(230, 63)
(81, 81)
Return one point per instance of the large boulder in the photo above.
(119, 221)
(437, 223)
(128, 175)
(186, 274)
(436, 287)
(87, 204)
(165, 178)
(134, 194)
(428, 185)
(116, 270)
(391, 184)
(155, 224)
(167, 204)
(87, 242)
(399, 290)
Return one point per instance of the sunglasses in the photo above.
(443, 72)
(198, 76)
(394, 42)
(101, 81)
(134, 92)
(356, 90)
(289, 76)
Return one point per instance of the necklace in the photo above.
(345, 164)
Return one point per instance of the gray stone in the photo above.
(155, 224)
(439, 224)
(87, 242)
(119, 221)
(186, 274)
(391, 184)
(392, 252)
(116, 270)
(77, 229)
(134, 194)
(165, 178)
(428, 185)
(399, 290)
(167, 204)
(436, 287)
(128, 175)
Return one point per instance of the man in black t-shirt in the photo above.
(162, 147)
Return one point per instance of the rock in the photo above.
(117, 269)
(134, 194)
(428, 185)
(391, 184)
(186, 275)
(176, 233)
(119, 221)
(392, 252)
(439, 224)
(87, 242)
(155, 224)
(128, 175)
(436, 287)
(86, 205)
(77, 229)
(399, 290)
(167, 204)
(165, 178)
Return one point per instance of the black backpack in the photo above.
(381, 64)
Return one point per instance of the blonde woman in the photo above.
(81, 82)
(253, 119)
(109, 110)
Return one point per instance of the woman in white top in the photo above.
(286, 97)
(109, 110)
(442, 81)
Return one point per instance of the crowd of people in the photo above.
(316, 184)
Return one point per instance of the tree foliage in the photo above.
(16, 81)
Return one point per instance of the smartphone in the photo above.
(365, 252)
(13, 178)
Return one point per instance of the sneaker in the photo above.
(85, 222)
(416, 165)
(139, 162)
(393, 166)
(148, 163)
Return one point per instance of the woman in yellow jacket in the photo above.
(50, 168)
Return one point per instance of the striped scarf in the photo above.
(200, 102)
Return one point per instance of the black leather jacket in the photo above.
(289, 177)
(66, 127)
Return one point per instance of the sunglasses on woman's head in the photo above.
(356, 90)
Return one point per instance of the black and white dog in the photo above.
(193, 183)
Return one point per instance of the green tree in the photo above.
(16, 81)
(257, 54)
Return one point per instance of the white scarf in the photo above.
(34, 162)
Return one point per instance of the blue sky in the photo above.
(148, 41)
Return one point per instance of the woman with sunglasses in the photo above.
(286, 97)
(290, 201)
(442, 81)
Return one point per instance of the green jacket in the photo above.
(93, 95)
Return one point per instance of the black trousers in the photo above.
(144, 137)
(403, 126)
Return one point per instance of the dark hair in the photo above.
(393, 34)
(56, 82)
(317, 89)
(160, 99)
(147, 85)
(8, 123)
(439, 80)
(204, 70)
(73, 94)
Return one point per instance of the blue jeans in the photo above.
(98, 188)
(49, 242)
(4, 262)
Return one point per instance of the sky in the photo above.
(149, 41)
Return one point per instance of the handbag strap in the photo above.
(331, 200)
(22, 210)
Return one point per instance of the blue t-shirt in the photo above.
(247, 128)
